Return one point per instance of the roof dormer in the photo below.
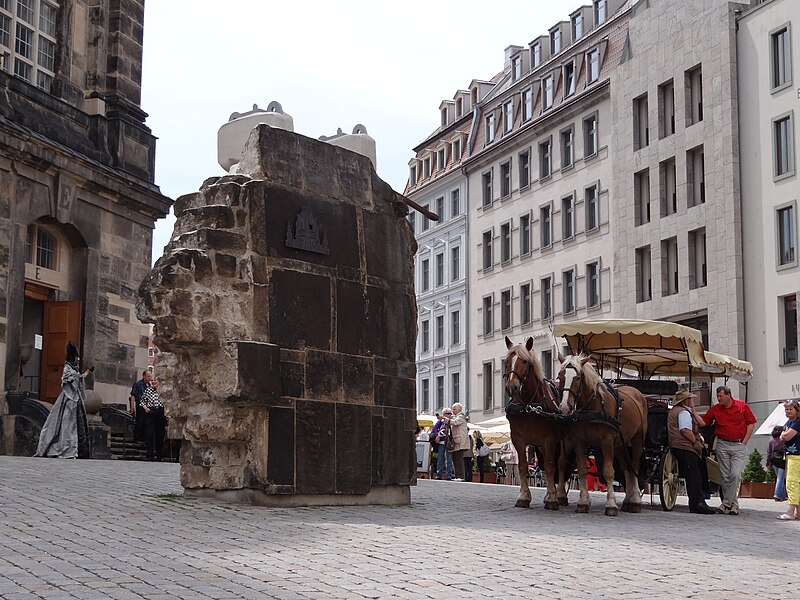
(559, 37)
(580, 22)
(461, 101)
(520, 64)
(478, 90)
(540, 51)
(447, 111)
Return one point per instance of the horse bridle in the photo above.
(576, 396)
(530, 406)
(523, 379)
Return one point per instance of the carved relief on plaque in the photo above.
(307, 234)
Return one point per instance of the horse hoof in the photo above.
(551, 505)
(563, 501)
(635, 508)
(523, 504)
(612, 511)
(582, 508)
(626, 506)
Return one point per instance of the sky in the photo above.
(385, 65)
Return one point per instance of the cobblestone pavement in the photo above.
(108, 529)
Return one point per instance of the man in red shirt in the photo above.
(733, 425)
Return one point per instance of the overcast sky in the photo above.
(386, 65)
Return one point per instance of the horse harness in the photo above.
(600, 417)
(529, 407)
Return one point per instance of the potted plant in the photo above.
(753, 478)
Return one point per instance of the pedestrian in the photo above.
(469, 454)
(482, 452)
(791, 442)
(687, 446)
(508, 454)
(774, 448)
(135, 405)
(459, 429)
(154, 422)
(65, 433)
(444, 465)
(733, 425)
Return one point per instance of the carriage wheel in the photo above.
(668, 487)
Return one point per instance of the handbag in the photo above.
(778, 460)
(450, 443)
(483, 450)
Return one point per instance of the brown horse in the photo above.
(535, 421)
(614, 424)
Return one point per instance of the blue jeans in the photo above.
(442, 452)
(780, 483)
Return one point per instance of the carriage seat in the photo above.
(657, 425)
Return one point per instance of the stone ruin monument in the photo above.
(285, 312)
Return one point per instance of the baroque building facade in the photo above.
(78, 200)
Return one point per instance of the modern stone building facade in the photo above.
(77, 195)
(768, 91)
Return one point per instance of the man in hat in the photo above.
(687, 446)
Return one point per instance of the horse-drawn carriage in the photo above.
(644, 358)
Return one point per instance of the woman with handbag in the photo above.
(482, 451)
(442, 433)
(458, 429)
(777, 461)
(791, 442)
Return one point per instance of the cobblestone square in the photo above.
(108, 529)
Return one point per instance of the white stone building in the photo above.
(769, 86)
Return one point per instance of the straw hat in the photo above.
(681, 396)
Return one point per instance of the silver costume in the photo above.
(65, 433)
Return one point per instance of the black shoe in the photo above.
(702, 509)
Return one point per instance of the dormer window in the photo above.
(455, 150)
(441, 159)
(516, 68)
(459, 107)
(474, 96)
(569, 79)
(599, 12)
(508, 116)
(490, 130)
(527, 105)
(592, 66)
(577, 27)
(426, 167)
(547, 92)
(536, 54)
(555, 41)
(444, 117)
(412, 174)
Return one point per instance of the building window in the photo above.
(525, 303)
(555, 41)
(426, 269)
(456, 151)
(694, 95)
(412, 175)
(516, 68)
(599, 12)
(488, 323)
(592, 66)
(455, 266)
(527, 105)
(440, 269)
(577, 27)
(459, 107)
(698, 273)
(641, 129)
(569, 79)
(787, 238)
(644, 284)
(487, 250)
(567, 137)
(426, 395)
(547, 363)
(488, 400)
(593, 284)
(440, 332)
(666, 109)
(486, 186)
(32, 45)
(505, 242)
(440, 391)
(525, 235)
(42, 248)
(641, 196)
(547, 298)
(455, 203)
(790, 330)
(547, 92)
(505, 179)
(536, 54)
(544, 159)
(546, 226)
(455, 327)
(524, 169)
(426, 168)
(783, 137)
(5, 30)
(781, 57)
(490, 129)
(508, 117)
(505, 309)
(669, 267)
(455, 387)
(592, 207)
(696, 176)
(669, 195)
(568, 217)
(426, 223)
(425, 336)
(440, 208)
(590, 142)
(568, 283)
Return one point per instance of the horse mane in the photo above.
(522, 352)
(590, 374)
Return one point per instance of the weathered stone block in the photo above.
(315, 454)
(323, 376)
(281, 452)
(296, 324)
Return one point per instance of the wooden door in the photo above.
(62, 322)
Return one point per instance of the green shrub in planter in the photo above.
(754, 472)
(772, 476)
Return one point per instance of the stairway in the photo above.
(126, 449)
